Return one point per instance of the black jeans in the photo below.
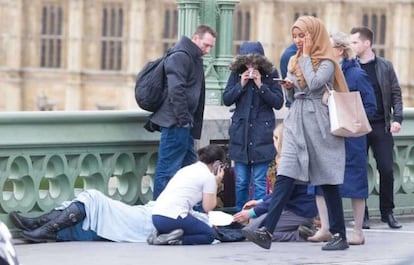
(382, 144)
(281, 194)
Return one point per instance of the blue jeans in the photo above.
(176, 150)
(245, 173)
(76, 233)
(196, 232)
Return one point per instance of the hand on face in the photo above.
(307, 44)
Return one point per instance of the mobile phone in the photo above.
(279, 79)
(216, 166)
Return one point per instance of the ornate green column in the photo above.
(225, 38)
(218, 14)
(188, 16)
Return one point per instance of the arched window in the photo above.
(304, 13)
(51, 36)
(169, 35)
(376, 20)
(111, 39)
(242, 26)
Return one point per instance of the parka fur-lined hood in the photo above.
(251, 53)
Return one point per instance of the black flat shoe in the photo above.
(392, 222)
(336, 243)
(365, 224)
(259, 236)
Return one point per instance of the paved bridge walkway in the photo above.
(383, 247)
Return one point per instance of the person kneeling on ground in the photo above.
(192, 184)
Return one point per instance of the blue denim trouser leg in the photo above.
(259, 171)
(176, 150)
(76, 233)
(244, 174)
(280, 196)
(333, 201)
(196, 232)
(242, 184)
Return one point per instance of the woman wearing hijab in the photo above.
(310, 153)
(355, 184)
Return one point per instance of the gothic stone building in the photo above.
(84, 54)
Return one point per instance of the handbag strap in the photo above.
(326, 94)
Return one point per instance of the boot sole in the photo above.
(36, 240)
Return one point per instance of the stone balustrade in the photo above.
(49, 157)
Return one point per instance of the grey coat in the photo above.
(310, 153)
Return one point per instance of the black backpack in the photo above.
(150, 89)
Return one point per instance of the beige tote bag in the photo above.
(347, 114)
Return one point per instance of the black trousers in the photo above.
(382, 144)
(281, 194)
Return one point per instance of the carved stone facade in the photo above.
(84, 54)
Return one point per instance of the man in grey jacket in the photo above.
(385, 122)
(180, 118)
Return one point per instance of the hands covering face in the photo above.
(251, 74)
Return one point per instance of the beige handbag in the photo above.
(347, 114)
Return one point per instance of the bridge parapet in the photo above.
(49, 157)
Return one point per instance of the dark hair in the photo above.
(364, 33)
(211, 153)
(203, 29)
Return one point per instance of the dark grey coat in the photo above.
(186, 89)
(310, 153)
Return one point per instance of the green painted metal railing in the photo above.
(403, 171)
(49, 157)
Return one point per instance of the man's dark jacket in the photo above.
(184, 104)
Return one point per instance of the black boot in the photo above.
(365, 223)
(68, 217)
(28, 224)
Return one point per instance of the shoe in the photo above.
(152, 237)
(336, 243)
(365, 224)
(259, 236)
(175, 242)
(305, 232)
(356, 239)
(320, 236)
(392, 222)
(29, 224)
(170, 238)
(70, 216)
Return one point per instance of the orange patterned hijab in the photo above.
(321, 50)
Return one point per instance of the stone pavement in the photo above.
(383, 246)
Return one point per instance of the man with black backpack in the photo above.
(180, 117)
